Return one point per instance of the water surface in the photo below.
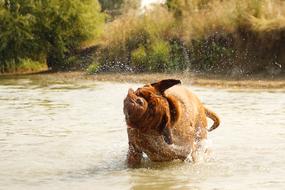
(72, 135)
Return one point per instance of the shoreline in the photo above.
(206, 80)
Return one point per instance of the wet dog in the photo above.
(166, 121)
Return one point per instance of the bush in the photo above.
(138, 36)
(93, 68)
(179, 56)
(139, 59)
(22, 66)
(29, 65)
(159, 55)
(53, 29)
(212, 54)
(16, 36)
(207, 35)
(155, 58)
(63, 25)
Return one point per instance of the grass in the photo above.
(23, 66)
(232, 37)
(207, 35)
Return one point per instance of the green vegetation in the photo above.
(110, 4)
(234, 37)
(48, 31)
(93, 68)
(23, 66)
(230, 37)
(155, 58)
(139, 58)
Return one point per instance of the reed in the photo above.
(209, 35)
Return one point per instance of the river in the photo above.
(71, 135)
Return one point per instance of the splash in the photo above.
(204, 152)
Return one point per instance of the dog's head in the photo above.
(147, 108)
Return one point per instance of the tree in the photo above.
(16, 37)
(46, 28)
(62, 25)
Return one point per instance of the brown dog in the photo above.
(165, 121)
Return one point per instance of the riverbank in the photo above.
(235, 37)
(206, 80)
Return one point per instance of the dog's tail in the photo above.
(212, 115)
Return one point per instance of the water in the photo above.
(72, 135)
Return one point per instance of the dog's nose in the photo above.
(139, 101)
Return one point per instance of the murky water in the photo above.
(72, 135)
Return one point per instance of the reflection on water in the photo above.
(72, 135)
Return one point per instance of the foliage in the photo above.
(155, 57)
(159, 55)
(16, 38)
(114, 8)
(53, 29)
(110, 4)
(29, 65)
(139, 59)
(207, 35)
(23, 66)
(93, 68)
(140, 40)
(211, 55)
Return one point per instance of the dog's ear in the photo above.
(165, 129)
(163, 85)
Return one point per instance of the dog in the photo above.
(166, 121)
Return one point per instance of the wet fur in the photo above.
(170, 124)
